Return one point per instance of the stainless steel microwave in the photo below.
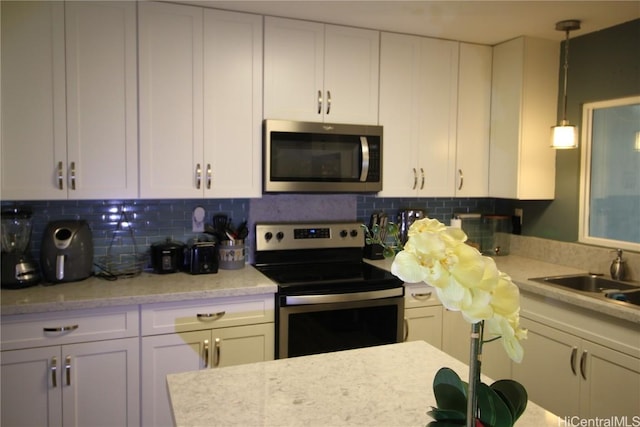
(307, 157)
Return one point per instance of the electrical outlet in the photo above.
(197, 220)
(518, 213)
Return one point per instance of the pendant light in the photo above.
(564, 135)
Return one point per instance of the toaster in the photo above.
(201, 258)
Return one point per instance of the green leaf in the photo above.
(448, 415)
(493, 410)
(450, 391)
(513, 394)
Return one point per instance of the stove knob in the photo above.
(354, 233)
(343, 233)
(268, 236)
(279, 235)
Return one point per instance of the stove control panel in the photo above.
(286, 236)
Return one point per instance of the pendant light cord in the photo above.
(566, 72)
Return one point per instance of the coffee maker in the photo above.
(19, 268)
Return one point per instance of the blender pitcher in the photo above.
(19, 269)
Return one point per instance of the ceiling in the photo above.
(475, 21)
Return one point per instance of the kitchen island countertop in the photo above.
(389, 385)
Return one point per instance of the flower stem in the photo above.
(475, 360)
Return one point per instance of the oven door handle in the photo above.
(347, 297)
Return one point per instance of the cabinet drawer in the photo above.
(163, 318)
(43, 329)
(420, 295)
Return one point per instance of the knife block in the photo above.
(374, 251)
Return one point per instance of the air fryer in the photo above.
(66, 254)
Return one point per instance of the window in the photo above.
(610, 178)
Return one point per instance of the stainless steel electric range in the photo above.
(328, 299)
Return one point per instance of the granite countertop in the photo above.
(145, 288)
(389, 385)
(521, 269)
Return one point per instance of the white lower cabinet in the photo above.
(207, 334)
(422, 315)
(568, 373)
(78, 380)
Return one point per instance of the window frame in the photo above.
(585, 175)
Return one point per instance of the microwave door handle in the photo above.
(364, 146)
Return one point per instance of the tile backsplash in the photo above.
(155, 220)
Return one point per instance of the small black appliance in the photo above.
(167, 256)
(201, 257)
(66, 254)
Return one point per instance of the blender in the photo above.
(19, 269)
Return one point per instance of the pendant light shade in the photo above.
(565, 135)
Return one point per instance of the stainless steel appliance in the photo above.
(308, 157)
(66, 254)
(19, 269)
(406, 217)
(328, 299)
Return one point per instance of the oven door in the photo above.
(319, 323)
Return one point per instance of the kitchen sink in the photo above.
(631, 297)
(588, 283)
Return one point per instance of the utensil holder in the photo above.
(231, 254)
(374, 251)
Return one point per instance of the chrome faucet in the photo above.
(617, 268)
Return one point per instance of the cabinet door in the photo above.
(171, 103)
(33, 101)
(473, 123)
(31, 387)
(242, 344)
(163, 355)
(418, 106)
(101, 385)
(232, 104)
(293, 70)
(438, 97)
(424, 323)
(351, 75)
(399, 113)
(610, 386)
(550, 368)
(102, 139)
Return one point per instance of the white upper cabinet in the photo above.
(418, 105)
(474, 111)
(317, 72)
(69, 134)
(523, 109)
(200, 102)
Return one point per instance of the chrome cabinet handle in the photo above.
(60, 177)
(54, 371)
(422, 297)
(198, 176)
(583, 364)
(461, 179)
(415, 179)
(208, 176)
(205, 353)
(422, 179)
(72, 176)
(572, 360)
(406, 330)
(67, 369)
(328, 102)
(319, 102)
(216, 353)
(61, 328)
(364, 148)
(210, 317)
